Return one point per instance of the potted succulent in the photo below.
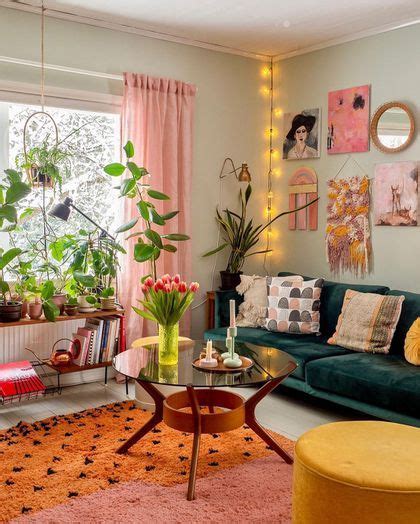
(107, 298)
(241, 236)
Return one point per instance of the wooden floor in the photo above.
(286, 412)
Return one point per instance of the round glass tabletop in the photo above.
(142, 364)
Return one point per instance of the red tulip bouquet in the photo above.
(165, 302)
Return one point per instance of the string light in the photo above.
(278, 112)
(272, 154)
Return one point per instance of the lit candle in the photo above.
(232, 313)
(209, 350)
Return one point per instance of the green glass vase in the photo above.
(168, 344)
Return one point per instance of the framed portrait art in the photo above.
(301, 134)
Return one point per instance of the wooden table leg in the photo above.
(195, 408)
(252, 422)
(150, 424)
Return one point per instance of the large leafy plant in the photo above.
(150, 243)
(240, 235)
(12, 190)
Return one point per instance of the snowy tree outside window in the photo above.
(91, 147)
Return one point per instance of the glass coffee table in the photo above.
(193, 410)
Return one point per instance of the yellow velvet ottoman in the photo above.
(363, 472)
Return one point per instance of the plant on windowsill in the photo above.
(240, 236)
(12, 190)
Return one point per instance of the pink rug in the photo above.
(259, 491)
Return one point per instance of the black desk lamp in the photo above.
(63, 209)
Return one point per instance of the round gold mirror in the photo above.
(392, 127)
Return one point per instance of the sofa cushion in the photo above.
(332, 297)
(410, 311)
(302, 350)
(388, 381)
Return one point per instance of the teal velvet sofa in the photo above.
(384, 386)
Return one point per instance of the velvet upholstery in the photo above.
(384, 386)
(410, 311)
(384, 380)
(313, 348)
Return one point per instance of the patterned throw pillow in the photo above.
(412, 344)
(367, 322)
(253, 310)
(293, 306)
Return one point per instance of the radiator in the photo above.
(41, 338)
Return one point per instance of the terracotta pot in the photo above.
(59, 300)
(35, 310)
(25, 309)
(230, 280)
(11, 311)
(70, 309)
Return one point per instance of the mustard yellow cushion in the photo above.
(412, 344)
(364, 472)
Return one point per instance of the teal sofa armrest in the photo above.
(221, 306)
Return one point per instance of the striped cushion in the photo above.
(367, 322)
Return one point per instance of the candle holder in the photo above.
(230, 358)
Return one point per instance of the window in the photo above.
(92, 146)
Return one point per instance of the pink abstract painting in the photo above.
(348, 120)
(396, 194)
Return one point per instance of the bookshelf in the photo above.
(63, 318)
(62, 370)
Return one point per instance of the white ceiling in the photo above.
(254, 27)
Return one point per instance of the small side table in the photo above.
(210, 312)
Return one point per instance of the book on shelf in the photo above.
(20, 379)
(101, 342)
(84, 345)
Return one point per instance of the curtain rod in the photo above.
(63, 69)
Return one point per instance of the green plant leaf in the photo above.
(214, 251)
(8, 256)
(169, 248)
(29, 211)
(129, 149)
(4, 287)
(88, 281)
(57, 250)
(127, 186)
(17, 191)
(136, 234)
(170, 215)
(248, 193)
(157, 195)
(143, 252)
(90, 299)
(153, 237)
(47, 290)
(127, 225)
(13, 175)
(144, 210)
(9, 213)
(51, 311)
(156, 218)
(108, 292)
(144, 314)
(135, 170)
(115, 169)
(176, 236)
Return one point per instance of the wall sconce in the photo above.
(243, 176)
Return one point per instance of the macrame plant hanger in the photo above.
(35, 177)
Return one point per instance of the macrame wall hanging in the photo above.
(348, 243)
(303, 188)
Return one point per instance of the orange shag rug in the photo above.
(63, 458)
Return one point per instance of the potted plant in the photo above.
(71, 307)
(44, 164)
(165, 302)
(240, 236)
(41, 301)
(107, 298)
(12, 190)
(149, 243)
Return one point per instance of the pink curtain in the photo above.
(157, 116)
